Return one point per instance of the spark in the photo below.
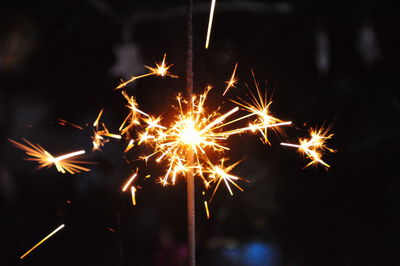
(210, 21)
(232, 82)
(259, 106)
(206, 208)
(96, 122)
(64, 163)
(161, 69)
(133, 193)
(98, 139)
(64, 122)
(314, 147)
(130, 145)
(134, 116)
(43, 240)
(129, 181)
(219, 173)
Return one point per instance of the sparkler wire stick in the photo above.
(41, 241)
(190, 156)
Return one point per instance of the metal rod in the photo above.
(190, 177)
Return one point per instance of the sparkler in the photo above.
(314, 147)
(201, 133)
(192, 142)
(64, 163)
(41, 241)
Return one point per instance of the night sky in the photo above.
(323, 64)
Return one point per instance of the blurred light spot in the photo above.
(322, 54)
(368, 45)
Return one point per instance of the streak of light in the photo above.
(64, 122)
(130, 145)
(161, 69)
(41, 241)
(314, 146)
(63, 163)
(210, 21)
(133, 193)
(129, 181)
(206, 208)
(232, 82)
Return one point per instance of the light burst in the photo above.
(258, 106)
(314, 146)
(63, 163)
(161, 69)
(219, 173)
(196, 130)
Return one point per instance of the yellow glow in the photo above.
(189, 135)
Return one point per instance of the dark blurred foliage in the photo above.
(326, 62)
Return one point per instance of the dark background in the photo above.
(324, 61)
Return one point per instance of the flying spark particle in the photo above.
(210, 21)
(41, 241)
